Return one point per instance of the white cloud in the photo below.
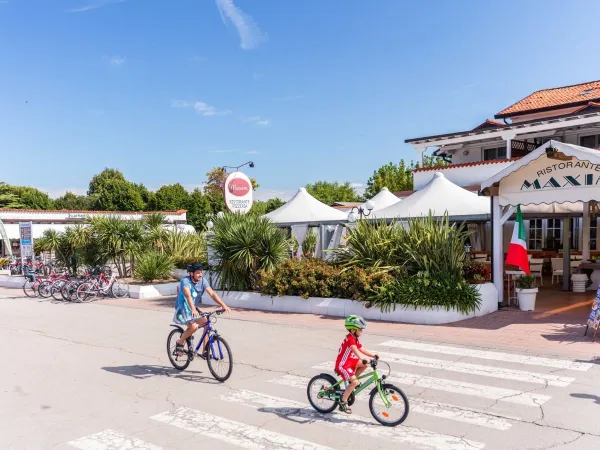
(250, 35)
(118, 61)
(96, 5)
(359, 188)
(222, 151)
(200, 107)
(257, 120)
(252, 152)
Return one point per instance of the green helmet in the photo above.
(355, 323)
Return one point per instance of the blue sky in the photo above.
(310, 90)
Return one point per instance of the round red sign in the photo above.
(238, 187)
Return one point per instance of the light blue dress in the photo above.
(183, 314)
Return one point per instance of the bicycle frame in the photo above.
(208, 329)
(373, 377)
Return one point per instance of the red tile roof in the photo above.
(180, 211)
(468, 164)
(489, 124)
(548, 99)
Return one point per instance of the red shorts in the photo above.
(347, 370)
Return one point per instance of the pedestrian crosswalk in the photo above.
(445, 404)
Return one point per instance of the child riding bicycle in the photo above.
(349, 363)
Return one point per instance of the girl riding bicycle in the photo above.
(349, 364)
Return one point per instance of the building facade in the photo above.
(569, 114)
(59, 221)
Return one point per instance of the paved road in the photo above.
(93, 376)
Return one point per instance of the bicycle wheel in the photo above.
(85, 292)
(179, 362)
(398, 410)
(220, 359)
(30, 288)
(56, 289)
(119, 289)
(317, 393)
(45, 289)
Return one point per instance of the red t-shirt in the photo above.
(346, 357)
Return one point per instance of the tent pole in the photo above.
(566, 253)
(497, 248)
(585, 231)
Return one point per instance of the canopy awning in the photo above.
(304, 209)
(439, 196)
(383, 199)
(553, 173)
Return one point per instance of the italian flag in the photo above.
(517, 250)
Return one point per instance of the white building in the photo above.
(61, 219)
(569, 114)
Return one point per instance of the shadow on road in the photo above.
(141, 372)
(596, 398)
(306, 415)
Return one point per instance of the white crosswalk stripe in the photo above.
(234, 433)
(490, 355)
(111, 440)
(476, 369)
(354, 423)
(460, 387)
(451, 412)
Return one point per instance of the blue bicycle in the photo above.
(218, 354)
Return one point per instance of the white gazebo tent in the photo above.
(383, 199)
(439, 196)
(303, 211)
(560, 175)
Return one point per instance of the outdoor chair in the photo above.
(536, 271)
(557, 270)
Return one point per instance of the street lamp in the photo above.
(210, 225)
(249, 163)
(361, 211)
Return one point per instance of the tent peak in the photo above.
(302, 189)
(438, 175)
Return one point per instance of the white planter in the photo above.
(526, 298)
(579, 281)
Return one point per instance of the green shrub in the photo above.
(182, 262)
(154, 265)
(450, 293)
(526, 282)
(476, 271)
(243, 245)
(317, 278)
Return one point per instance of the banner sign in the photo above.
(26, 240)
(238, 192)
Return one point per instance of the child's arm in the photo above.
(364, 351)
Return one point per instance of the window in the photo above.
(494, 153)
(535, 234)
(554, 233)
(592, 141)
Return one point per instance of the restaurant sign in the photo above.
(238, 192)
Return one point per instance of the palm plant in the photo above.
(310, 243)
(243, 245)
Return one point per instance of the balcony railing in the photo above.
(521, 148)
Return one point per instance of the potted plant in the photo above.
(310, 244)
(526, 292)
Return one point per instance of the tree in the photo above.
(273, 204)
(8, 199)
(197, 210)
(170, 197)
(110, 191)
(73, 202)
(329, 193)
(398, 177)
(32, 198)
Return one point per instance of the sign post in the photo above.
(26, 242)
(238, 192)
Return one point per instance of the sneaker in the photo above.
(345, 408)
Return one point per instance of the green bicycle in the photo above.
(385, 400)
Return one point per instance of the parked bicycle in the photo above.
(101, 285)
(385, 399)
(219, 357)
